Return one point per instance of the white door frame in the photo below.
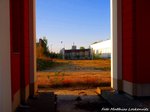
(5, 62)
(116, 38)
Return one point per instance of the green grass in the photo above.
(43, 64)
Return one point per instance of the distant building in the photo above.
(101, 49)
(74, 47)
(75, 54)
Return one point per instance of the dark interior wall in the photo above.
(127, 40)
(26, 42)
(15, 34)
(19, 20)
(136, 40)
(142, 34)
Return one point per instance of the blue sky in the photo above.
(80, 21)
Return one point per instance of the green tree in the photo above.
(82, 48)
(45, 46)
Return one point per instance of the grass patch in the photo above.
(75, 73)
(43, 64)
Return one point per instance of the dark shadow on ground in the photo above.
(81, 103)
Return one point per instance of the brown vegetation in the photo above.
(76, 73)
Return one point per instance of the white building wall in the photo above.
(103, 48)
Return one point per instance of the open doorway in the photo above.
(17, 10)
(73, 47)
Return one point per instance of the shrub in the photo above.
(42, 64)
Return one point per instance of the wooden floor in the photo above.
(44, 102)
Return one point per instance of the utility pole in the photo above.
(63, 50)
(51, 47)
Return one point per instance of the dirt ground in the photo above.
(89, 103)
(79, 100)
(72, 73)
(74, 82)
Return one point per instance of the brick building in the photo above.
(76, 54)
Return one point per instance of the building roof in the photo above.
(99, 41)
(77, 50)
